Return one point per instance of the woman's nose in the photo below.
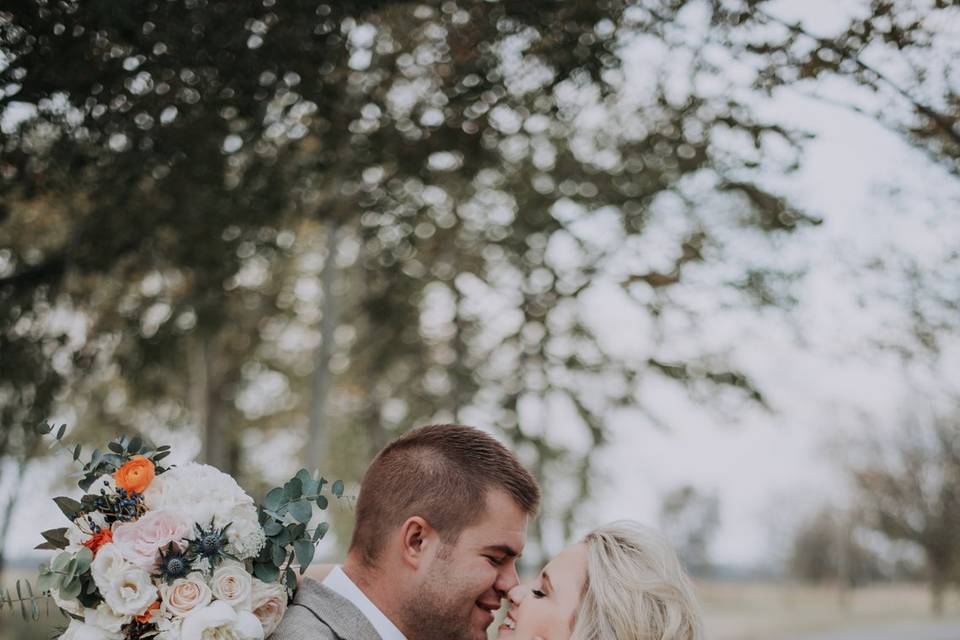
(518, 593)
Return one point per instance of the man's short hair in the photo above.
(440, 473)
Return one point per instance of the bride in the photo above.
(622, 582)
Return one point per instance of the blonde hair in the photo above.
(636, 588)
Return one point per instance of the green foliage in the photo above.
(27, 604)
(284, 515)
(119, 451)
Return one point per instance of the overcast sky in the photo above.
(880, 200)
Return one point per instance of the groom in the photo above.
(441, 521)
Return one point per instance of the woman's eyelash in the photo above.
(537, 593)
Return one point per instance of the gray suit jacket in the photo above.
(317, 613)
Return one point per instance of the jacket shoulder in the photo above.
(301, 621)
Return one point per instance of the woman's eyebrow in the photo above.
(546, 581)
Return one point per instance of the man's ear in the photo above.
(417, 539)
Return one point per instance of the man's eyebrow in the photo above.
(506, 550)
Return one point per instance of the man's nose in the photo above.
(507, 580)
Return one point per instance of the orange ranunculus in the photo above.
(144, 617)
(136, 475)
(99, 539)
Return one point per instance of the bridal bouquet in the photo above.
(179, 553)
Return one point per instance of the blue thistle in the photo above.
(210, 543)
(173, 564)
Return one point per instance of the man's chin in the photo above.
(481, 621)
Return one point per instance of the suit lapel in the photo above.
(338, 613)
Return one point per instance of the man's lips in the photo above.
(489, 607)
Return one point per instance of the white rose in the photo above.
(107, 565)
(185, 595)
(105, 618)
(130, 592)
(220, 620)
(85, 631)
(269, 603)
(232, 584)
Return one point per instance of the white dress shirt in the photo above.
(341, 583)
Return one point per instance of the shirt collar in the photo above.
(341, 583)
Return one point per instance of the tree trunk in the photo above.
(207, 405)
(318, 437)
(8, 510)
(938, 586)
(376, 434)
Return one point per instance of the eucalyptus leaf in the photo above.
(70, 590)
(291, 579)
(283, 538)
(272, 528)
(70, 572)
(48, 581)
(23, 606)
(301, 510)
(76, 453)
(266, 572)
(87, 481)
(135, 444)
(304, 550)
(337, 488)
(84, 559)
(275, 499)
(304, 477)
(62, 430)
(322, 502)
(277, 555)
(43, 429)
(296, 530)
(115, 460)
(320, 531)
(61, 561)
(293, 489)
(116, 447)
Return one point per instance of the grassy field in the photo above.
(737, 611)
(734, 611)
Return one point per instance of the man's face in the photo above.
(462, 584)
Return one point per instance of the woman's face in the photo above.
(545, 608)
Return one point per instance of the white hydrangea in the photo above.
(203, 494)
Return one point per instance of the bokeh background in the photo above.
(696, 262)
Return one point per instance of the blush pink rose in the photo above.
(140, 542)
